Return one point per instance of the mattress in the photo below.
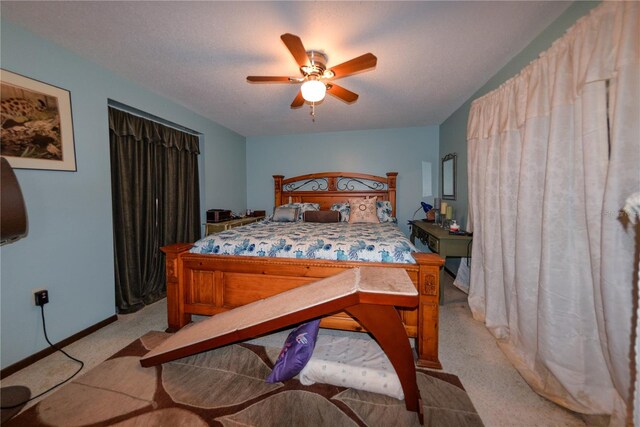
(338, 241)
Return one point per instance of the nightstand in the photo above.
(216, 227)
(441, 242)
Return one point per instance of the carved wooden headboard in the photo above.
(327, 188)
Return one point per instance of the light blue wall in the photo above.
(69, 248)
(374, 152)
(453, 132)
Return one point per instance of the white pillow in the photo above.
(343, 208)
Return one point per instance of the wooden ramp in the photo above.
(369, 294)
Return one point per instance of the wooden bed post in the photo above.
(391, 187)
(176, 316)
(277, 182)
(428, 291)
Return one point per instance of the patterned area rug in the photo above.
(226, 387)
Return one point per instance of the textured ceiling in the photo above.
(432, 56)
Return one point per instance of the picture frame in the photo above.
(449, 176)
(37, 124)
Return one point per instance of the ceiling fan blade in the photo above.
(342, 93)
(298, 101)
(295, 46)
(259, 79)
(363, 62)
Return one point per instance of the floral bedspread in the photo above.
(342, 241)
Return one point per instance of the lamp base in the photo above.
(10, 396)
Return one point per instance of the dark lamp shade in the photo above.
(13, 213)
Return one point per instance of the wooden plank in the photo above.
(368, 285)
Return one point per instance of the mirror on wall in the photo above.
(449, 176)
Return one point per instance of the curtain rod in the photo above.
(143, 114)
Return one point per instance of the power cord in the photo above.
(44, 328)
(416, 211)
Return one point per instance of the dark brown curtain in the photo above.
(155, 192)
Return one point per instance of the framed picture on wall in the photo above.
(37, 126)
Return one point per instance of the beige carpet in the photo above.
(226, 387)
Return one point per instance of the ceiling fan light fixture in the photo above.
(313, 67)
(313, 90)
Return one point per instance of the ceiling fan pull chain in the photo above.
(313, 112)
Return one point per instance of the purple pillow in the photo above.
(297, 350)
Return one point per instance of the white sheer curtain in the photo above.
(632, 209)
(552, 155)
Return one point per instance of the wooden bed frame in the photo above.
(210, 284)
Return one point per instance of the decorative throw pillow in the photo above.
(296, 352)
(285, 214)
(363, 210)
(303, 207)
(384, 211)
(343, 208)
(321, 216)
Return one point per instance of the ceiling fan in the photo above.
(316, 79)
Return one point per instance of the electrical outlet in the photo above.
(34, 291)
(41, 297)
